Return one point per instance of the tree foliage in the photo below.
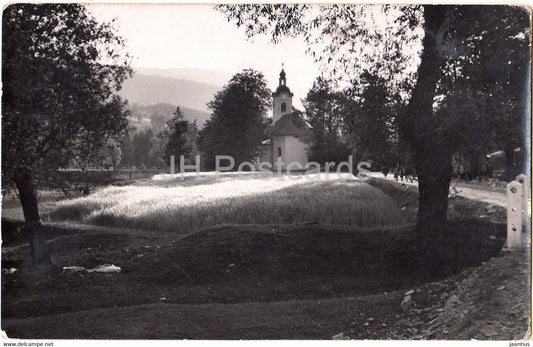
(180, 136)
(238, 119)
(60, 71)
(370, 121)
(109, 155)
(324, 114)
(142, 144)
(484, 87)
(380, 39)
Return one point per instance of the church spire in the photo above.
(281, 98)
(282, 79)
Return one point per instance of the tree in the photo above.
(126, 148)
(450, 33)
(323, 112)
(60, 71)
(238, 119)
(488, 84)
(453, 35)
(142, 146)
(157, 123)
(109, 156)
(179, 135)
(156, 157)
(370, 121)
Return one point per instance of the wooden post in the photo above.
(172, 165)
(514, 214)
(522, 179)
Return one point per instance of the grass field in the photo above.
(279, 257)
(185, 206)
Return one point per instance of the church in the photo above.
(285, 143)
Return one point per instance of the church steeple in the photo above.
(281, 98)
(282, 79)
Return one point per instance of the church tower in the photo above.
(281, 99)
(285, 147)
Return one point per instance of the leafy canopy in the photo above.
(60, 71)
(479, 57)
(179, 135)
(382, 39)
(238, 119)
(324, 112)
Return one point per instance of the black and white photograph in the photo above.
(262, 171)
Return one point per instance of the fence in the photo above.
(518, 211)
(78, 178)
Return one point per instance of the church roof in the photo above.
(290, 124)
(283, 88)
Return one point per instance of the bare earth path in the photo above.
(490, 195)
(495, 197)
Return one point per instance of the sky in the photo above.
(196, 36)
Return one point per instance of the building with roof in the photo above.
(285, 146)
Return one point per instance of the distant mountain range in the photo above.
(154, 94)
(215, 77)
(153, 89)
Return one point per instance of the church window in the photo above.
(279, 151)
(283, 107)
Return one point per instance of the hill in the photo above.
(152, 89)
(215, 77)
(155, 116)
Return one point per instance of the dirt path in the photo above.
(495, 196)
(294, 319)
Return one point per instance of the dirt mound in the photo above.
(383, 259)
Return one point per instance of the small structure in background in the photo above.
(172, 165)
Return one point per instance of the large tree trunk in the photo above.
(40, 253)
(434, 176)
(432, 154)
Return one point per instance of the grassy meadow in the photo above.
(183, 206)
(255, 254)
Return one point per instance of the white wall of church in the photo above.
(278, 144)
(296, 152)
(292, 150)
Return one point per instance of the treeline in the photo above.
(354, 121)
(357, 121)
(150, 148)
(366, 119)
(236, 126)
